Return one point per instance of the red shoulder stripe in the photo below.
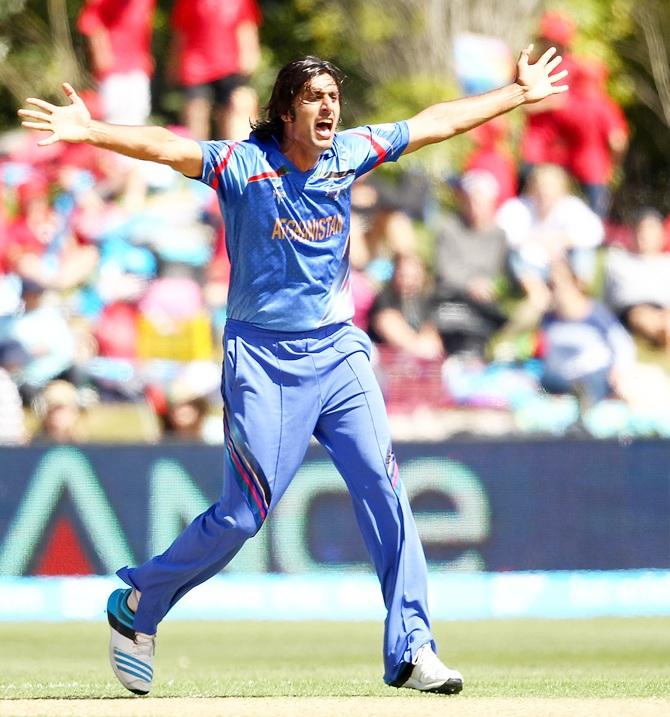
(222, 164)
(379, 150)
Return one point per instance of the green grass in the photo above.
(524, 658)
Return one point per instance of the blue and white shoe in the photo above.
(131, 654)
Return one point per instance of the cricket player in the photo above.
(294, 364)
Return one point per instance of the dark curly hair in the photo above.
(288, 85)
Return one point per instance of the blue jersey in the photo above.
(287, 231)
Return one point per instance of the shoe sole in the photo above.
(450, 687)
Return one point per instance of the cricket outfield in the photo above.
(581, 668)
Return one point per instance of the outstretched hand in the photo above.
(536, 79)
(68, 123)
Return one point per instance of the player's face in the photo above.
(316, 112)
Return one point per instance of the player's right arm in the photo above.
(534, 82)
(73, 123)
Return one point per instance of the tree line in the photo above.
(397, 55)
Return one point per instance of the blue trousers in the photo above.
(279, 389)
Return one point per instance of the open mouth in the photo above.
(324, 128)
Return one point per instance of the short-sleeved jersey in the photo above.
(287, 231)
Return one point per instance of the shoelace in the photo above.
(429, 661)
(422, 654)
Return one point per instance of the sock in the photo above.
(134, 599)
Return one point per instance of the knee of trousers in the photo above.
(244, 522)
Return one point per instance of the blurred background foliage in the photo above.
(398, 58)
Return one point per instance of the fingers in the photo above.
(558, 76)
(525, 54)
(32, 114)
(42, 120)
(546, 56)
(42, 126)
(553, 64)
(42, 104)
(49, 140)
(70, 92)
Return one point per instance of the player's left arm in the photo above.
(534, 82)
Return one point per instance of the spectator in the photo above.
(41, 247)
(119, 40)
(184, 418)
(46, 338)
(387, 228)
(492, 154)
(61, 414)
(363, 288)
(543, 141)
(12, 425)
(637, 282)
(186, 415)
(215, 50)
(470, 261)
(546, 223)
(10, 285)
(126, 272)
(10, 294)
(4, 223)
(12, 428)
(586, 351)
(598, 144)
(401, 314)
(217, 275)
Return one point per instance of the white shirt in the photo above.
(569, 225)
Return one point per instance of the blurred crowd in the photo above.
(521, 296)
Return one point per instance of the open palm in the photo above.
(68, 123)
(536, 79)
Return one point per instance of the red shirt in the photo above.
(543, 141)
(4, 241)
(129, 24)
(501, 165)
(208, 28)
(22, 238)
(588, 122)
